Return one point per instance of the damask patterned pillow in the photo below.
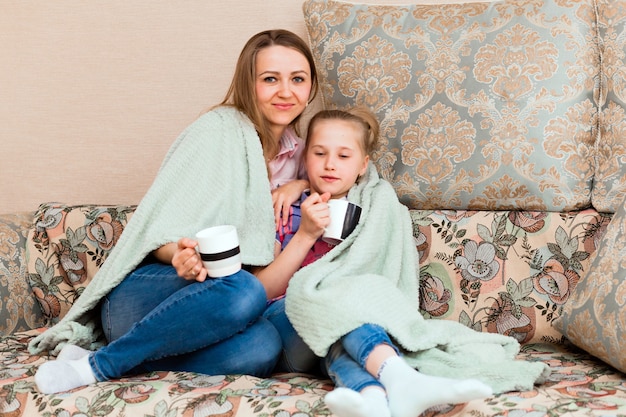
(507, 272)
(482, 105)
(609, 189)
(66, 247)
(594, 318)
(18, 309)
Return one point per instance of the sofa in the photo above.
(503, 133)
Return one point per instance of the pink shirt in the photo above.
(288, 164)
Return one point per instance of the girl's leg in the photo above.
(296, 355)
(357, 393)
(410, 392)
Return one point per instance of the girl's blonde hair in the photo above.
(242, 91)
(361, 116)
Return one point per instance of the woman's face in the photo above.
(283, 85)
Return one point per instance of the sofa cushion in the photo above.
(504, 272)
(594, 318)
(579, 386)
(66, 247)
(482, 105)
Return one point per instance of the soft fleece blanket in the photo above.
(371, 278)
(214, 173)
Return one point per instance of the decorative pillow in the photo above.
(66, 247)
(506, 272)
(594, 318)
(482, 105)
(18, 310)
(609, 187)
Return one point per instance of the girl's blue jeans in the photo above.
(155, 320)
(346, 358)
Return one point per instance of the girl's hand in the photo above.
(284, 196)
(187, 261)
(315, 215)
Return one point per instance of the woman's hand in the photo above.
(187, 261)
(284, 196)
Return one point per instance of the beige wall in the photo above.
(92, 93)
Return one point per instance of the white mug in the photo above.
(344, 216)
(218, 247)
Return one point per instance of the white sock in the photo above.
(58, 376)
(411, 392)
(344, 402)
(71, 353)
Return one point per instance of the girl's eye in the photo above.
(269, 79)
(298, 80)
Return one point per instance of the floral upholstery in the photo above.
(507, 272)
(504, 272)
(483, 106)
(66, 247)
(579, 385)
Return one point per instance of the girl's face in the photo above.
(283, 85)
(335, 156)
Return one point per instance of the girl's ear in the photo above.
(366, 161)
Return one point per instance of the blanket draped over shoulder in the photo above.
(371, 277)
(214, 173)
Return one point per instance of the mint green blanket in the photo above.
(213, 174)
(371, 278)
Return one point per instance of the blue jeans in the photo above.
(296, 355)
(155, 320)
(345, 361)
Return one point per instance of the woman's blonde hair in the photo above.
(361, 116)
(242, 91)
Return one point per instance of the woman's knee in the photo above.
(247, 295)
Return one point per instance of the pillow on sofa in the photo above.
(66, 246)
(506, 272)
(18, 310)
(594, 318)
(482, 106)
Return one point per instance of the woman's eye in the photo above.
(298, 80)
(269, 79)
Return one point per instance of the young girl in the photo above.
(364, 364)
(215, 173)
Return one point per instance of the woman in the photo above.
(220, 170)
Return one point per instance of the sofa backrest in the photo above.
(489, 106)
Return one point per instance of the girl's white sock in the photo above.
(344, 402)
(411, 392)
(71, 353)
(58, 376)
